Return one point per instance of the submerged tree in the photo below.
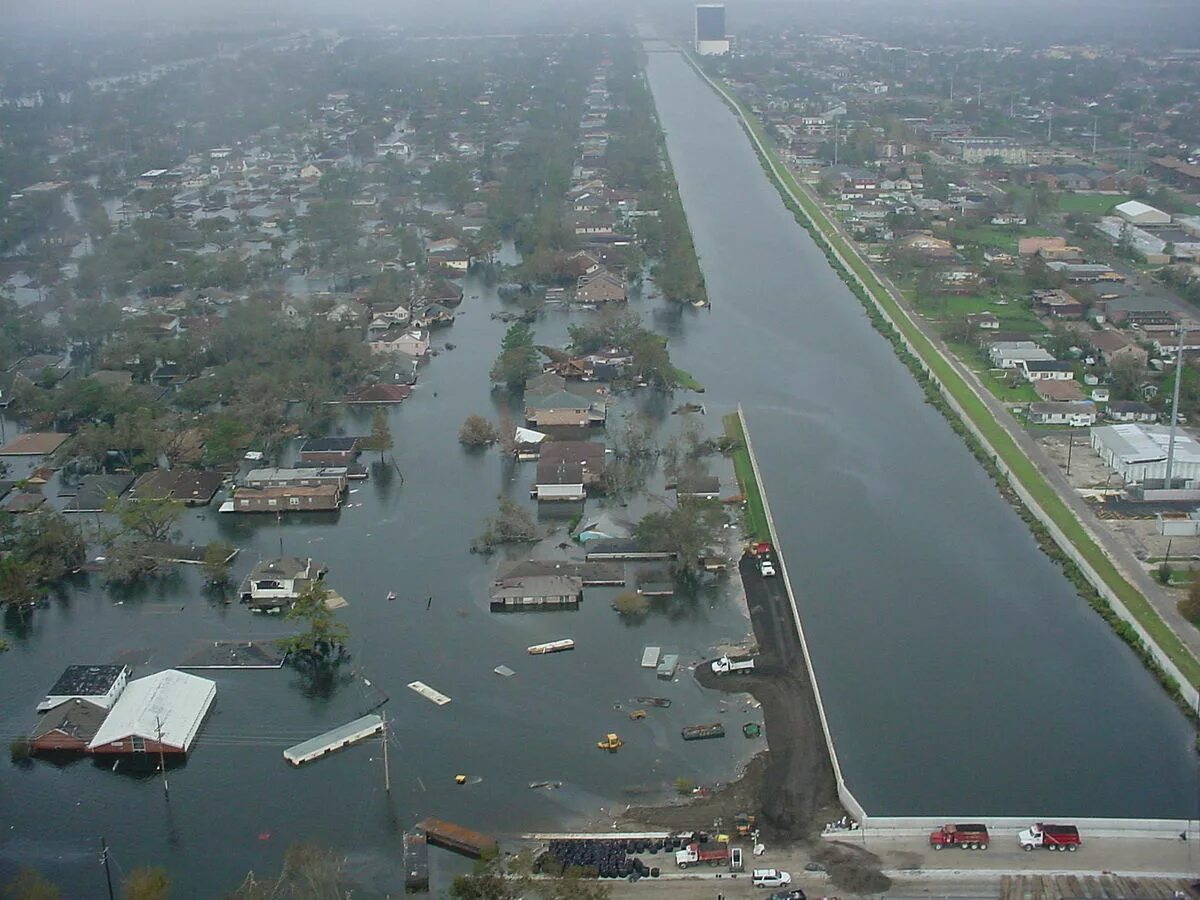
(477, 431)
(512, 524)
(146, 883)
(218, 559)
(381, 434)
(518, 359)
(325, 637)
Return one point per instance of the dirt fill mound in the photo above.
(852, 869)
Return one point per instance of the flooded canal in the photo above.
(961, 673)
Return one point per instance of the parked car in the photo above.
(770, 878)
(793, 894)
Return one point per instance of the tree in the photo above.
(325, 637)
(687, 530)
(149, 519)
(518, 359)
(146, 883)
(631, 604)
(309, 873)
(477, 431)
(30, 884)
(511, 524)
(218, 557)
(381, 435)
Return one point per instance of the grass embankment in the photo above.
(687, 381)
(756, 515)
(1021, 467)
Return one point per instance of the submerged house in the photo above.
(277, 583)
(161, 713)
(536, 591)
(98, 684)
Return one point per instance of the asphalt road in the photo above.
(799, 776)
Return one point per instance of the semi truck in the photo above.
(1052, 837)
(966, 836)
(729, 664)
(713, 853)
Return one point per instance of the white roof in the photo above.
(528, 436)
(172, 701)
(1137, 208)
(1148, 443)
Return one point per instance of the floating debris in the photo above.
(505, 671)
(429, 693)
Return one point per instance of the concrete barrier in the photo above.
(849, 801)
(1008, 826)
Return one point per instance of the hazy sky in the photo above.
(1173, 21)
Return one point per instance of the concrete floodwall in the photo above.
(849, 801)
(1008, 826)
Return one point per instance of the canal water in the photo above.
(237, 805)
(960, 671)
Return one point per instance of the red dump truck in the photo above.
(1052, 837)
(764, 556)
(712, 852)
(968, 837)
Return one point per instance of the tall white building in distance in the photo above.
(711, 39)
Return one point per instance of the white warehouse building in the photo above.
(1138, 453)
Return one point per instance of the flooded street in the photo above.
(409, 535)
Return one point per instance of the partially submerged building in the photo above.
(161, 713)
(98, 684)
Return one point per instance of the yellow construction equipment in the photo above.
(611, 743)
(637, 714)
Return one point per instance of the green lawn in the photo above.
(756, 514)
(1088, 204)
(995, 236)
(1022, 469)
(687, 381)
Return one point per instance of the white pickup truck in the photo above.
(726, 664)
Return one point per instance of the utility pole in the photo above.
(1095, 133)
(162, 760)
(1050, 126)
(387, 772)
(835, 140)
(107, 871)
(1070, 445)
(1174, 408)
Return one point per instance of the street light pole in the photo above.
(1174, 409)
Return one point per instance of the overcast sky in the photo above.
(1175, 21)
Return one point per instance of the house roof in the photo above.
(380, 393)
(586, 453)
(698, 484)
(86, 680)
(557, 400)
(33, 443)
(95, 491)
(537, 586)
(283, 567)
(180, 484)
(329, 445)
(169, 703)
(75, 718)
(558, 471)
